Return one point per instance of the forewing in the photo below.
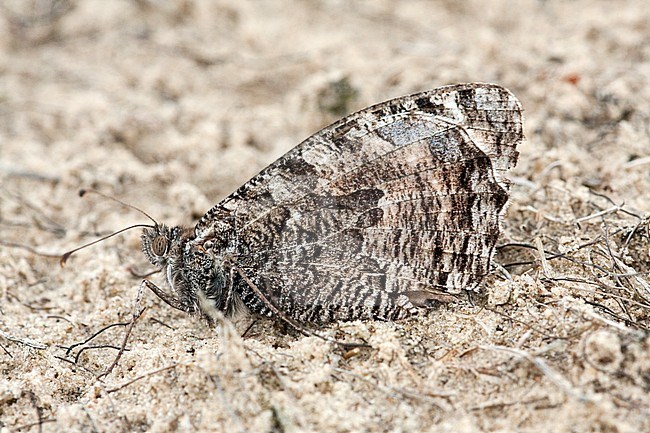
(382, 211)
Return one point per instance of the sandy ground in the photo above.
(170, 105)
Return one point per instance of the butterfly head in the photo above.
(163, 245)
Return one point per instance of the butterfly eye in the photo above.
(159, 245)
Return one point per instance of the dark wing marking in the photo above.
(371, 214)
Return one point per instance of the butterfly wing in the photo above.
(380, 212)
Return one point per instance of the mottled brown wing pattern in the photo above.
(380, 212)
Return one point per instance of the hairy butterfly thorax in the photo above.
(197, 268)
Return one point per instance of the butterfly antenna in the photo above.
(66, 256)
(83, 192)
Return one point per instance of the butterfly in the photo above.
(379, 215)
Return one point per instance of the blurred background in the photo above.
(172, 104)
(169, 98)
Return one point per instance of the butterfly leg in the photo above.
(169, 299)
